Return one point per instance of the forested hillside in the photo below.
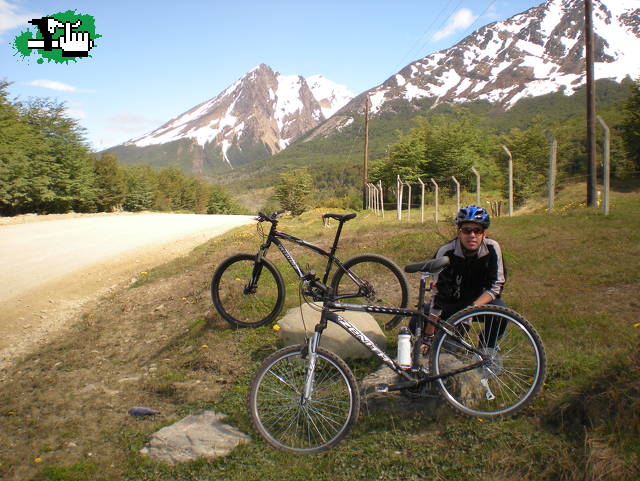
(46, 167)
(419, 140)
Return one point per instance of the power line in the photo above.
(427, 36)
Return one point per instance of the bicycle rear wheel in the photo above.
(284, 421)
(240, 304)
(378, 281)
(512, 377)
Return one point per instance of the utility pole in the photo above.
(592, 177)
(365, 172)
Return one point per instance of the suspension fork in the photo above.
(251, 287)
(311, 352)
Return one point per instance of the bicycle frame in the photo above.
(413, 375)
(274, 237)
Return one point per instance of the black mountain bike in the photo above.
(486, 361)
(248, 290)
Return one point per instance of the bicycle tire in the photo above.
(515, 374)
(274, 401)
(234, 304)
(390, 287)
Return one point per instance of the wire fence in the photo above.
(424, 202)
(429, 191)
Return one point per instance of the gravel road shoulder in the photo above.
(34, 315)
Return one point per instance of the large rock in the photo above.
(334, 338)
(197, 436)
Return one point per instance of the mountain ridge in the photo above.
(536, 52)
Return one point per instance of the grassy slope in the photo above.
(573, 273)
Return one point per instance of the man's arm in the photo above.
(485, 298)
(497, 275)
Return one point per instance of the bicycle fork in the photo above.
(312, 347)
(252, 286)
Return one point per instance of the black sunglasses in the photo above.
(474, 230)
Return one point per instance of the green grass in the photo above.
(572, 273)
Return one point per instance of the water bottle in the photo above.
(404, 347)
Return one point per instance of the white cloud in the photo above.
(52, 84)
(55, 85)
(11, 18)
(460, 20)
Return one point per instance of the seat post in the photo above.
(334, 248)
(332, 253)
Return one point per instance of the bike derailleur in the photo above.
(311, 286)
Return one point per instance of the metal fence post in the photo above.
(399, 198)
(421, 199)
(473, 169)
(504, 147)
(457, 193)
(409, 202)
(381, 198)
(552, 168)
(606, 159)
(434, 183)
(372, 195)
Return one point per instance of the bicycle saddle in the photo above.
(340, 217)
(432, 266)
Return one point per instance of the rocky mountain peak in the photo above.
(257, 116)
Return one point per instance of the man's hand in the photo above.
(435, 315)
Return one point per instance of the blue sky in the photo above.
(157, 59)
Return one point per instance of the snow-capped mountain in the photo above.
(263, 110)
(533, 53)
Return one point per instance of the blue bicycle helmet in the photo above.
(473, 213)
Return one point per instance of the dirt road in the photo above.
(50, 269)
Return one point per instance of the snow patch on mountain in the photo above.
(331, 96)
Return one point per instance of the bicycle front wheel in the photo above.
(513, 374)
(289, 423)
(375, 280)
(239, 302)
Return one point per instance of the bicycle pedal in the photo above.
(382, 388)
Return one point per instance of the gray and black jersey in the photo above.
(466, 278)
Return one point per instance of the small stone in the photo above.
(197, 436)
(140, 411)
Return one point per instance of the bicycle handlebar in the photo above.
(273, 217)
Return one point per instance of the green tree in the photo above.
(631, 125)
(17, 140)
(61, 165)
(110, 182)
(220, 202)
(440, 147)
(530, 151)
(293, 190)
(141, 185)
(45, 164)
